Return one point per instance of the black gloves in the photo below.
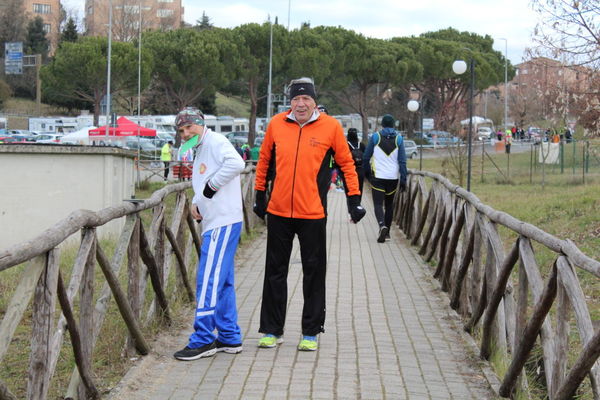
(357, 212)
(260, 204)
(208, 192)
(402, 187)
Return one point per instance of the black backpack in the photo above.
(357, 154)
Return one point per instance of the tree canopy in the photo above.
(78, 72)
(187, 66)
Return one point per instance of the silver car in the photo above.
(411, 149)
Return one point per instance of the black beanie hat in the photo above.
(352, 135)
(387, 121)
(302, 86)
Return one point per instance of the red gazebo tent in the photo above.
(125, 127)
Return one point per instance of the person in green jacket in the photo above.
(166, 156)
(254, 152)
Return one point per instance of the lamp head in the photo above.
(459, 67)
(412, 105)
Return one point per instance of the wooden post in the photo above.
(497, 294)
(42, 322)
(194, 232)
(133, 281)
(440, 227)
(181, 263)
(20, 301)
(122, 303)
(462, 270)
(152, 266)
(561, 339)
(81, 359)
(86, 307)
(432, 223)
(422, 220)
(531, 332)
(449, 258)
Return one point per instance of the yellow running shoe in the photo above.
(269, 341)
(308, 343)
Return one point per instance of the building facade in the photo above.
(49, 11)
(128, 14)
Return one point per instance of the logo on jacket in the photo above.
(202, 169)
(314, 142)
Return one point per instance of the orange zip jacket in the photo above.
(299, 158)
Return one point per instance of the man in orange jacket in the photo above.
(296, 154)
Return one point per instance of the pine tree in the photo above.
(36, 41)
(69, 34)
(204, 22)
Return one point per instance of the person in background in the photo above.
(254, 152)
(357, 149)
(568, 135)
(385, 164)
(304, 140)
(508, 139)
(217, 204)
(166, 155)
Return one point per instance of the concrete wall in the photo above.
(42, 184)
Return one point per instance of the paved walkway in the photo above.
(389, 333)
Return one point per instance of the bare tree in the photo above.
(569, 30)
(12, 22)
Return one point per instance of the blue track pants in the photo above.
(215, 291)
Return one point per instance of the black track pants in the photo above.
(312, 236)
(383, 197)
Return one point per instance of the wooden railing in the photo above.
(158, 245)
(507, 310)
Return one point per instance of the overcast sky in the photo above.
(510, 19)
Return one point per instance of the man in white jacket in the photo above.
(218, 204)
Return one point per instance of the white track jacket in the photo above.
(217, 161)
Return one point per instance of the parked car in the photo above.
(16, 139)
(48, 138)
(144, 145)
(443, 138)
(238, 134)
(411, 149)
(19, 132)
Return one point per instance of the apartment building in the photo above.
(128, 14)
(49, 11)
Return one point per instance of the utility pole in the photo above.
(269, 95)
(110, 11)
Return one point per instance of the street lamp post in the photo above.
(413, 106)
(460, 67)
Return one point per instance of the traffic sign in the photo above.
(13, 58)
(427, 124)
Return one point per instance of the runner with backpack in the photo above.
(384, 162)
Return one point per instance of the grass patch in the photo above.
(230, 105)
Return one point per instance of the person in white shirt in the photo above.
(217, 204)
(384, 161)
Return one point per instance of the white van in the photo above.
(484, 133)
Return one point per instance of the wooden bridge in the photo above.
(390, 331)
